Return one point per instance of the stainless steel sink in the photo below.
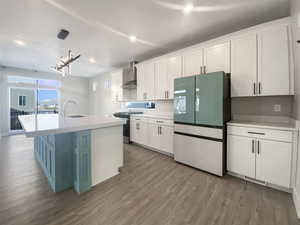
(76, 116)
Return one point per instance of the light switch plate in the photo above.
(277, 108)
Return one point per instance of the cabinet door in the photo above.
(140, 82)
(161, 79)
(174, 70)
(134, 131)
(166, 139)
(143, 133)
(217, 58)
(273, 162)
(193, 62)
(149, 82)
(153, 133)
(273, 61)
(241, 155)
(243, 65)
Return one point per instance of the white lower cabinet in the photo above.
(138, 131)
(273, 162)
(240, 155)
(267, 160)
(154, 133)
(161, 137)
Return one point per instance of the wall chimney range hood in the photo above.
(129, 76)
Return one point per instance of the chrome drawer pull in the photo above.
(256, 133)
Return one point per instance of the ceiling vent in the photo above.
(63, 34)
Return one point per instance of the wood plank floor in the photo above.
(151, 190)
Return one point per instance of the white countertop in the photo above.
(45, 124)
(154, 116)
(270, 125)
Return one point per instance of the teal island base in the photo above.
(65, 159)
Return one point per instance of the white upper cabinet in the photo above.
(174, 70)
(140, 82)
(146, 81)
(243, 65)
(161, 79)
(217, 58)
(274, 77)
(116, 85)
(193, 62)
(150, 81)
(260, 61)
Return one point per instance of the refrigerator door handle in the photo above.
(197, 102)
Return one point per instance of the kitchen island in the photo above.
(76, 152)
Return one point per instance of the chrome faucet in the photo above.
(65, 106)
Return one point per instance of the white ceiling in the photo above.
(100, 29)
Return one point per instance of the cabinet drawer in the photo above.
(161, 122)
(142, 119)
(278, 135)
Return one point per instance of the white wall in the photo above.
(71, 88)
(101, 102)
(295, 12)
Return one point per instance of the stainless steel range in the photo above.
(126, 127)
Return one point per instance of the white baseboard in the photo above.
(296, 202)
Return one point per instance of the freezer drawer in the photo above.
(200, 153)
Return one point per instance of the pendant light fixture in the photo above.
(64, 65)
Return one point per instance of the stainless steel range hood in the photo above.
(129, 77)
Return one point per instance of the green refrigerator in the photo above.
(201, 110)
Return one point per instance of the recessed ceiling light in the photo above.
(188, 8)
(132, 38)
(20, 42)
(92, 60)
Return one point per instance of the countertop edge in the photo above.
(266, 126)
(153, 116)
(71, 130)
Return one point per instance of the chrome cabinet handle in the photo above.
(253, 150)
(258, 150)
(204, 69)
(159, 121)
(160, 130)
(254, 88)
(259, 87)
(200, 69)
(250, 132)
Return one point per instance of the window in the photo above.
(141, 105)
(22, 100)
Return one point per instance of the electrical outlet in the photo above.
(277, 108)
